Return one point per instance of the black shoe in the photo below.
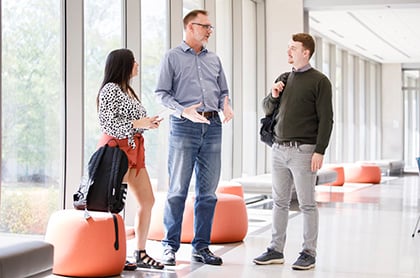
(168, 257)
(304, 262)
(206, 256)
(270, 257)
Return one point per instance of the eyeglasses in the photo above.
(206, 26)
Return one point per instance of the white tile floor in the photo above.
(364, 232)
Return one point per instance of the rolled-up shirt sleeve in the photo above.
(223, 87)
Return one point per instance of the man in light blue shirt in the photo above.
(193, 84)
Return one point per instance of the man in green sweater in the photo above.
(302, 133)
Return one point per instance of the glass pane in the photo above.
(360, 110)
(31, 115)
(337, 134)
(224, 50)
(154, 43)
(411, 78)
(348, 115)
(249, 101)
(325, 58)
(103, 19)
(411, 90)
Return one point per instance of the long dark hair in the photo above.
(118, 68)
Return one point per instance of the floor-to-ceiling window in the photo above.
(373, 110)
(31, 115)
(102, 34)
(337, 134)
(356, 101)
(325, 67)
(224, 50)
(249, 97)
(154, 44)
(411, 91)
(360, 109)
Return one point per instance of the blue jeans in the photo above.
(292, 165)
(192, 146)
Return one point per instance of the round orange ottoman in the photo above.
(86, 247)
(230, 187)
(230, 222)
(340, 176)
(362, 173)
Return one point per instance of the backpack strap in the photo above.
(116, 243)
(113, 181)
(97, 160)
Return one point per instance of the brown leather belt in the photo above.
(209, 114)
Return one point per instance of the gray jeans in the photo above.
(292, 165)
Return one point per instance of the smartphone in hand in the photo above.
(163, 113)
(158, 119)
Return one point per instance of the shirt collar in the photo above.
(185, 47)
(303, 69)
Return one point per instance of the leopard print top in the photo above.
(116, 112)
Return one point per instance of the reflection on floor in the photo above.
(364, 232)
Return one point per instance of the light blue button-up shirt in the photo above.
(187, 78)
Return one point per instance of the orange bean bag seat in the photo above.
(230, 222)
(340, 175)
(86, 247)
(362, 173)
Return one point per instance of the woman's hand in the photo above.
(147, 122)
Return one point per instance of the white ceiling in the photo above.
(384, 32)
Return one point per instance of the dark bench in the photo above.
(26, 259)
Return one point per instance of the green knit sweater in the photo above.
(305, 113)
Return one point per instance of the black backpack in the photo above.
(269, 121)
(102, 189)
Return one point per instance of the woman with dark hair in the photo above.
(123, 119)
